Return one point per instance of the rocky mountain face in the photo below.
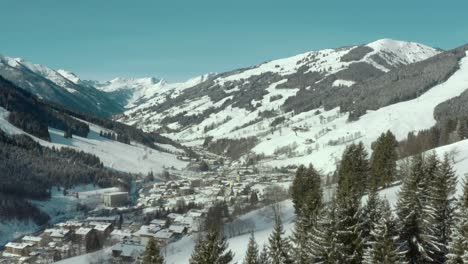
(58, 86)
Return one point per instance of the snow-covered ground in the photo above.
(263, 220)
(320, 136)
(134, 158)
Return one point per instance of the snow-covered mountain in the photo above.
(138, 91)
(58, 86)
(305, 107)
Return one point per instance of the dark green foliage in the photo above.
(383, 161)
(233, 148)
(306, 191)
(213, 249)
(279, 247)
(152, 254)
(29, 171)
(264, 257)
(382, 244)
(252, 255)
(278, 121)
(413, 232)
(353, 172)
(356, 54)
(458, 246)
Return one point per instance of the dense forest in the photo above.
(428, 224)
(34, 116)
(29, 171)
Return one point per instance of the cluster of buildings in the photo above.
(63, 240)
(128, 231)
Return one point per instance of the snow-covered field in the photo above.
(134, 158)
(263, 219)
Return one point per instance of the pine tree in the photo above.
(349, 239)
(211, 249)
(306, 191)
(371, 213)
(264, 257)
(414, 232)
(152, 254)
(353, 172)
(279, 247)
(300, 240)
(458, 246)
(382, 245)
(252, 255)
(441, 208)
(383, 161)
(322, 238)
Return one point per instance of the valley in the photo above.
(95, 170)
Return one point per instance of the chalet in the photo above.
(146, 233)
(58, 234)
(71, 225)
(18, 249)
(121, 235)
(82, 234)
(34, 240)
(164, 236)
(158, 222)
(127, 252)
(103, 229)
(178, 230)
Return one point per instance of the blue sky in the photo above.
(176, 40)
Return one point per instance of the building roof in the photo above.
(57, 232)
(115, 193)
(164, 234)
(103, 218)
(100, 226)
(32, 238)
(158, 222)
(121, 233)
(128, 250)
(83, 231)
(178, 229)
(18, 245)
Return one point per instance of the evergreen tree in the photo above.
(382, 245)
(348, 230)
(383, 161)
(414, 232)
(152, 254)
(301, 251)
(441, 207)
(252, 255)
(264, 257)
(322, 238)
(353, 171)
(279, 247)
(458, 246)
(371, 213)
(212, 250)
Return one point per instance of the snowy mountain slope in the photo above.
(304, 82)
(145, 92)
(133, 158)
(57, 86)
